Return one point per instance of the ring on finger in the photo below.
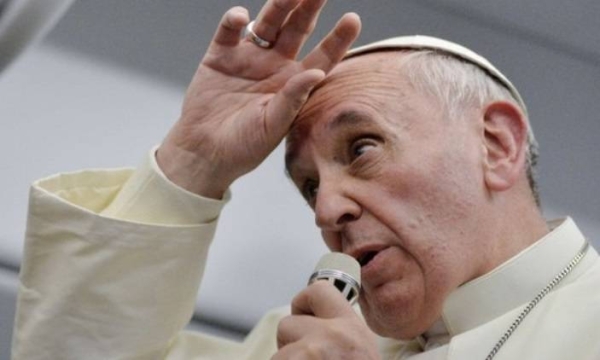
(257, 40)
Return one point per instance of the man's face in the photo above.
(395, 184)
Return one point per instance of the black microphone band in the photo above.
(345, 283)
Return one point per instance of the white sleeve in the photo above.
(112, 264)
(149, 197)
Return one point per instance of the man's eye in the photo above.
(360, 146)
(309, 190)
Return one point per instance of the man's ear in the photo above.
(505, 142)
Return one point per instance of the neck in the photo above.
(515, 227)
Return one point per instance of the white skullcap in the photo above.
(420, 42)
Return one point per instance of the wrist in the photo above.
(190, 172)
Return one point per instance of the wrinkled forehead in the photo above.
(363, 84)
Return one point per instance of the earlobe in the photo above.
(505, 142)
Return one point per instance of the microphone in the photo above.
(341, 270)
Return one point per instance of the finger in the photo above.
(230, 28)
(321, 299)
(298, 27)
(299, 351)
(271, 17)
(286, 104)
(292, 328)
(332, 48)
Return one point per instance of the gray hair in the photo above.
(457, 83)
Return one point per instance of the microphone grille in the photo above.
(340, 261)
(342, 271)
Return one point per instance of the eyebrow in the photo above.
(345, 119)
(349, 118)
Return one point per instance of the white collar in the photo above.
(518, 280)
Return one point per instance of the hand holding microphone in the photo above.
(323, 324)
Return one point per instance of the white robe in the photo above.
(113, 261)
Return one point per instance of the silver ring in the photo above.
(257, 40)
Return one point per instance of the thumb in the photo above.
(286, 104)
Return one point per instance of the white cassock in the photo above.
(114, 258)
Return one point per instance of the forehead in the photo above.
(369, 78)
(369, 87)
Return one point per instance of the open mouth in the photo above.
(365, 258)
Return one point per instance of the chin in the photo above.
(399, 330)
(396, 317)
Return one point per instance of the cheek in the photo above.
(405, 307)
(434, 221)
(426, 214)
(399, 301)
(435, 195)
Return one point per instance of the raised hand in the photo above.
(244, 97)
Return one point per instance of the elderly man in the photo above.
(416, 156)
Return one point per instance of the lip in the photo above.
(365, 249)
(375, 272)
(374, 266)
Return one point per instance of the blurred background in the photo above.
(107, 82)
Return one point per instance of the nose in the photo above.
(334, 206)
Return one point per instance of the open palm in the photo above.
(244, 98)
